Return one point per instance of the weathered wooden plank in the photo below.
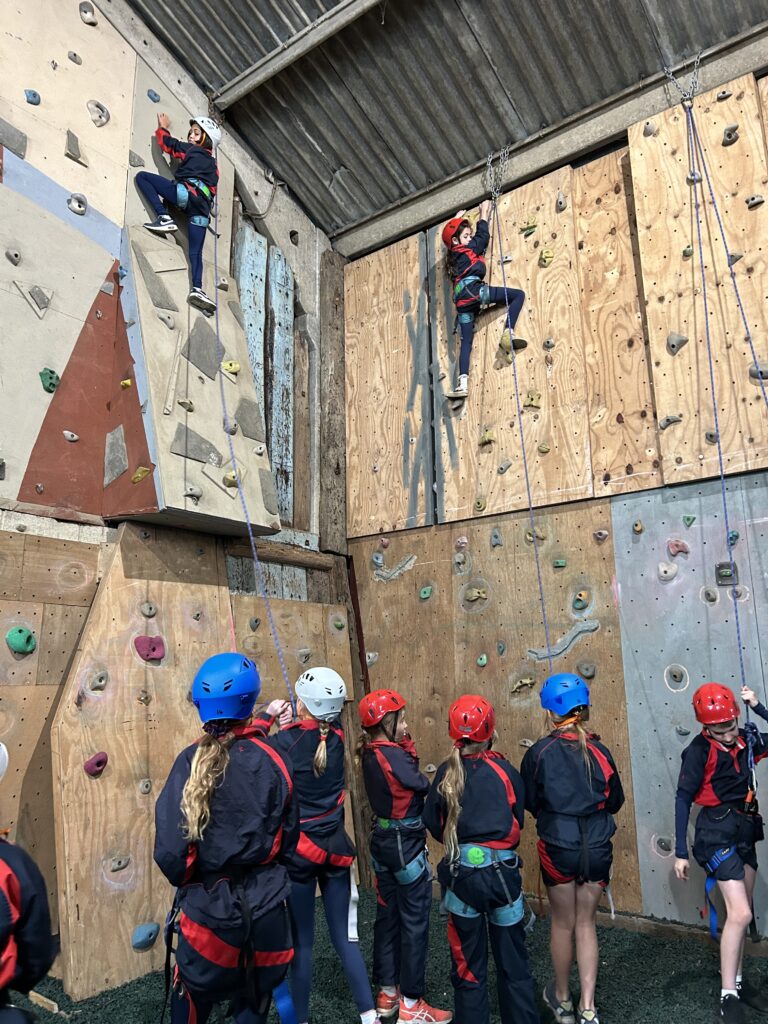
(284, 554)
(622, 424)
(250, 266)
(59, 571)
(332, 412)
(279, 396)
(302, 427)
(11, 560)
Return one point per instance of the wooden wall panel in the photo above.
(389, 441)
(672, 283)
(622, 424)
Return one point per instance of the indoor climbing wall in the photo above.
(46, 589)
(470, 593)
(677, 631)
(729, 127)
(125, 713)
(389, 444)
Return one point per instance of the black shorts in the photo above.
(723, 827)
(559, 865)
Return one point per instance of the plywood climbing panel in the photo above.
(622, 424)
(671, 270)
(389, 444)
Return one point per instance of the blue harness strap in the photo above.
(504, 916)
(711, 866)
(413, 869)
(284, 1004)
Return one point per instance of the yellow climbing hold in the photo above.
(230, 479)
(231, 366)
(528, 228)
(540, 535)
(544, 448)
(140, 473)
(126, 383)
(532, 400)
(545, 257)
(473, 594)
(187, 404)
(480, 504)
(487, 437)
(521, 683)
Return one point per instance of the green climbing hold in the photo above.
(733, 536)
(338, 624)
(425, 593)
(482, 661)
(689, 520)
(501, 648)
(580, 601)
(559, 563)
(475, 855)
(49, 379)
(21, 640)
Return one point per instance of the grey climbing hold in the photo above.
(664, 844)
(75, 57)
(303, 654)
(681, 730)
(78, 204)
(734, 257)
(268, 492)
(724, 94)
(669, 420)
(561, 203)
(115, 455)
(754, 201)
(230, 426)
(119, 863)
(403, 566)
(38, 296)
(99, 113)
(549, 343)
(223, 284)
(108, 288)
(501, 648)
(253, 624)
(197, 615)
(504, 467)
(154, 96)
(2, 477)
(248, 415)
(693, 178)
(237, 312)
(726, 574)
(600, 536)
(667, 571)
(99, 680)
(687, 252)
(148, 610)
(496, 539)
(193, 493)
(710, 595)
(371, 657)
(158, 293)
(13, 256)
(259, 449)
(145, 787)
(586, 669)
(526, 743)
(72, 149)
(87, 13)
(565, 642)
(134, 160)
(730, 134)
(186, 404)
(710, 436)
(200, 348)
(144, 936)
(649, 129)
(13, 139)
(70, 436)
(675, 342)
(190, 445)
(32, 96)
(759, 372)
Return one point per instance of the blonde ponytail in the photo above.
(451, 789)
(208, 767)
(320, 759)
(572, 720)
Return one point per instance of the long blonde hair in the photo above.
(554, 723)
(207, 772)
(320, 760)
(382, 730)
(451, 788)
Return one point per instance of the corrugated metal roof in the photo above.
(416, 90)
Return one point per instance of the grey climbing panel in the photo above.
(248, 415)
(13, 139)
(115, 455)
(268, 491)
(191, 445)
(200, 348)
(158, 293)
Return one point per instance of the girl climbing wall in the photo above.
(466, 268)
(193, 191)
(476, 809)
(324, 855)
(225, 821)
(396, 790)
(572, 788)
(718, 774)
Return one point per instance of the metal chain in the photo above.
(693, 86)
(495, 177)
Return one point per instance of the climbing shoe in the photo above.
(509, 341)
(588, 1017)
(753, 996)
(422, 1013)
(162, 225)
(386, 1005)
(462, 387)
(200, 300)
(732, 1010)
(563, 1011)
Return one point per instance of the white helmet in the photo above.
(209, 126)
(3, 760)
(322, 691)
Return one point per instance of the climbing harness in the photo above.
(711, 867)
(409, 872)
(473, 855)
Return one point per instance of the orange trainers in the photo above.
(423, 1013)
(387, 1006)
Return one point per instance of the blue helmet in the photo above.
(226, 686)
(563, 692)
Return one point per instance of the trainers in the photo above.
(422, 1013)
(588, 1017)
(386, 1005)
(162, 225)
(732, 1010)
(753, 996)
(462, 387)
(200, 300)
(563, 1011)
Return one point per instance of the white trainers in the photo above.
(163, 225)
(462, 387)
(200, 300)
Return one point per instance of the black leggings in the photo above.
(496, 297)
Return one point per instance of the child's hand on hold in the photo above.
(749, 697)
(460, 213)
(286, 715)
(681, 869)
(275, 708)
(485, 209)
(163, 121)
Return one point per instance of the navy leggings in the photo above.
(401, 932)
(185, 1010)
(159, 193)
(496, 297)
(335, 891)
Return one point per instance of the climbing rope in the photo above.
(495, 178)
(236, 470)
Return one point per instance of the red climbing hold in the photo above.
(95, 765)
(150, 648)
(677, 547)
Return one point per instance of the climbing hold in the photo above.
(87, 13)
(693, 178)
(119, 863)
(430, 768)
(532, 400)
(676, 674)
(473, 594)
(759, 372)
(520, 684)
(710, 436)
(154, 96)
(649, 129)
(253, 624)
(95, 765)
(230, 479)
(126, 383)
(338, 624)
(197, 615)
(166, 318)
(561, 203)
(734, 257)
(425, 593)
(501, 648)
(303, 654)
(75, 57)
(480, 504)
(486, 438)
(148, 610)
(664, 844)
(259, 449)
(21, 640)
(193, 493)
(72, 149)
(689, 520)
(667, 571)
(371, 657)
(504, 466)
(378, 559)
(99, 680)
(32, 96)
(231, 366)
(49, 379)
(726, 574)
(187, 404)
(528, 228)
(754, 201)
(230, 426)
(637, 526)
(13, 256)
(39, 488)
(70, 436)
(687, 252)
(733, 537)
(223, 284)
(149, 648)
(681, 730)
(581, 600)
(526, 743)
(482, 660)
(600, 536)
(586, 669)
(545, 257)
(675, 342)
(710, 595)
(140, 473)
(544, 448)
(677, 547)
(144, 936)
(674, 417)
(548, 343)
(99, 113)
(538, 533)
(730, 134)
(496, 539)
(78, 204)
(559, 563)
(724, 94)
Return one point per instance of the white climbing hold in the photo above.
(371, 658)
(223, 284)
(70, 436)
(78, 204)
(730, 134)
(193, 493)
(99, 113)
(667, 571)
(561, 202)
(650, 129)
(88, 14)
(13, 256)
(230, 426)
(75, 57)
(186, 404)
(166, 318)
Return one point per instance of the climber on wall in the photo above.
(193, 190)
(466, 268)
(718, 774)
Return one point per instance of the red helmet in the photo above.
(714, 703)
(374, 706)
(451, 229)
(471, 718)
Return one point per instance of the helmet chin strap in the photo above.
(391, 736)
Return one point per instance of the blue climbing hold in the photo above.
(154, 96)
(33, 97)
(144, 935)
(733, 536)
(122, 272)
(378, 559)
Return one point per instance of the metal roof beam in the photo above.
(297, 46)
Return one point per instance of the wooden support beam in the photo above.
(282, 554)
(297, 46)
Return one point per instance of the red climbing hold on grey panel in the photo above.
(150, 648)
(95, 765)
(677, 547)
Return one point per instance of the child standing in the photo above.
(573, 790)
(466, 268)
(225, 821)
(193, 190)
(475, 808)
(396, 790)
(718, 774)
(324, 854)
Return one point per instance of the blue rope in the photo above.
(240, 491)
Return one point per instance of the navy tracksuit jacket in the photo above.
(194, 162)
(27, 948)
